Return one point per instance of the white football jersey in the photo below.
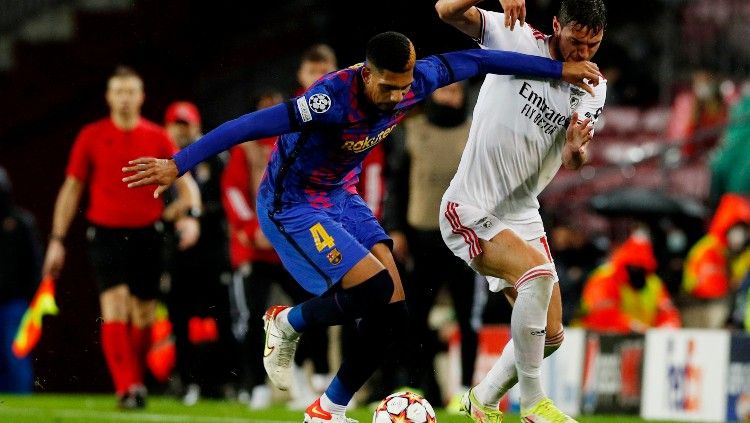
(518, 131)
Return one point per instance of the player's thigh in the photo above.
(507, 256)
(358, 219)
(143, 249)
(314, 246)
(106, 253)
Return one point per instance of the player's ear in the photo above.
(556, 27)
(366, 73)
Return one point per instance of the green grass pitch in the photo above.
(51, 408)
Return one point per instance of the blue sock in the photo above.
(338, 393)
(296, 320)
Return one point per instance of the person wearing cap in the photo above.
(196, 299)
(124, 228)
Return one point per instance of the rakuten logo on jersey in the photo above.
(368, 142)
(536, 110)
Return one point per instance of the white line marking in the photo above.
(131, 416)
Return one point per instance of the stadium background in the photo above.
(55, 57)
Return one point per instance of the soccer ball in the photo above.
(404, 407)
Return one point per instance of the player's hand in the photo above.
(581, 74)
(514, 10)
(578, 134)
(54, 259)
(188, 230)
(151, 171)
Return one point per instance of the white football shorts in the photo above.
(463, 225)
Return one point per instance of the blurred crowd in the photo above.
(218, 272)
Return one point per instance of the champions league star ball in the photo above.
(404, 407)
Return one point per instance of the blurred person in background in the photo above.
(196, 299)
(523, 130)
(730, 166)
(713, 270)
(20, 272)
(125, 232)
(575, 257)
(697, 114)
(625, 294)
(423, 165)
(257, 267)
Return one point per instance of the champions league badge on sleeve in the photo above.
(320, 103)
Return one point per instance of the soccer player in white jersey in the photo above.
(522, 131)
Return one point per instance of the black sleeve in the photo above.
(397, 183)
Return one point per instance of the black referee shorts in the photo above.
(131, 256)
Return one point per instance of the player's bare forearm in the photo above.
(461, 14)
(66, 206)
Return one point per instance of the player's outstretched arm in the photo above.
(469, 63)
(264, 123)
(465, 17)
(462, 15)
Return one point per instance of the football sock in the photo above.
(503, 375)
(527, 323)
(140, 340)
(118, 353)
(368, 350)
(336, 397)
(337, 306)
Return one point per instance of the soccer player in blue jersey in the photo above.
(309, 209)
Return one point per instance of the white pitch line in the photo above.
(136, 416)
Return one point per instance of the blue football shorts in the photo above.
(318, 245)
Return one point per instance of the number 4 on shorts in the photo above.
(321, 237)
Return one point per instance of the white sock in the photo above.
(527, 323)
(500, 378)
(503, 375)
(282, 321)
(330, 406)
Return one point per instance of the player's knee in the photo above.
(367, 297)
(543, 275)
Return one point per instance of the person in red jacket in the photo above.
(708, 277)
(256, 264)
(625, 295)
(124, 228)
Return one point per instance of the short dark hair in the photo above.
(123, 71)
(319, 53)
(389, 51)
(586, 13)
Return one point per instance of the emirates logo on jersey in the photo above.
(538, 111)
